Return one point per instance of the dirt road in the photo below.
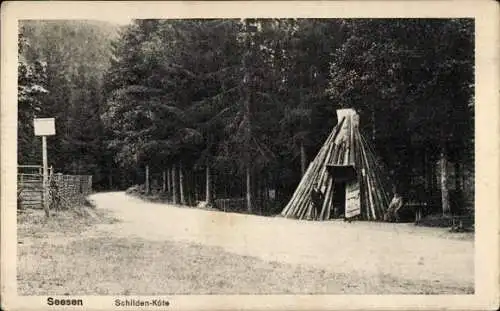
(372, 250)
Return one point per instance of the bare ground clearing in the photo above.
(161, 249)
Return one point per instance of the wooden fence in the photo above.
(64, 190)
(236, 205)
(239, 205)
(68, 190)
(29, 188)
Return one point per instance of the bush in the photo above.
(457, 224)
(135, 189)
(435, 220)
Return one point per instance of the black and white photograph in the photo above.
(247, 155)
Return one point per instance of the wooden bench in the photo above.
(231, 204)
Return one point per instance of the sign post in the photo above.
(45, 127)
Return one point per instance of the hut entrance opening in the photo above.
(338, 199)
(341, 175)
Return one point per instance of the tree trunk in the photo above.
(164, 185)
(146, 183)
(445, 200)
(191, 200)
(208, 194)
(181, 185)
(257, 193)
(267, 198)
(249, 189)
(458, 176)
(169, 182)
(196, 187)
(303, 158)
(174, 184)
(248, 136)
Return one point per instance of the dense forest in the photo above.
(61, 71)
(237, 108)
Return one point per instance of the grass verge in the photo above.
(32, 223)
(118, 266)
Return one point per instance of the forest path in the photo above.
(372, 250)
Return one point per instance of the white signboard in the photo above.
(352, 200)
(44, 127)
